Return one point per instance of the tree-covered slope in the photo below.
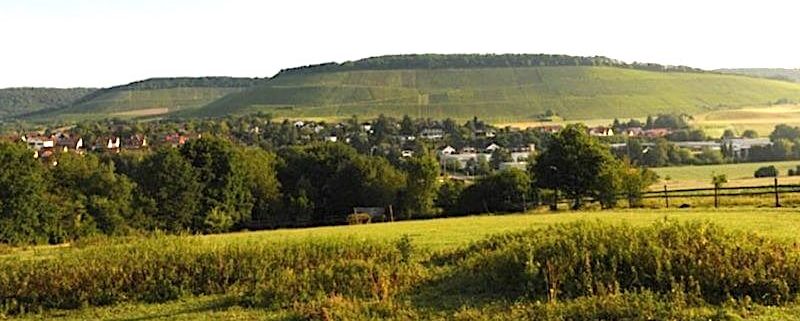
(499, 93)
(18, 101)
(150, 97)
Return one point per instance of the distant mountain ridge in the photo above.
(504, 87)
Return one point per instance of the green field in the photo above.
(500, 94)
(429, 236)
(738, 174)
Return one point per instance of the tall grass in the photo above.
(587, 259)
(264, 274)
(576, 271)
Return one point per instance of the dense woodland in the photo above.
(436, 61)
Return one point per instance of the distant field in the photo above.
(737, 174)
(500, 95)
(762, 119)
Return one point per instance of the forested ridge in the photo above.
(458, 61)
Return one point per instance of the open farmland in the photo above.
(762, 119)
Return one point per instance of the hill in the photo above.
(149, 97)
(18, 101)
(771, 73)
(497, 88)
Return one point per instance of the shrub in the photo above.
(583, 259)
(165, 268)
(766, 171)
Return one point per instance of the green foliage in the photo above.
(162, 269)
(766, 171)
(23, 211)
(718, 179)
(421, 171)
(20, 101)
(573, 163)
(570, 261)
(225, 189)
(504, 191)
(330, 179)
(173, 185)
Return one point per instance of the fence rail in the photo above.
(719, 192)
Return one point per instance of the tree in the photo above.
(783, 131)
(221, 173)
(499, 156)
(504, 191)
(172, 183)
(750, 134)
(572, 163)
(448, 195)
(766, 171)
(23, 217)
(718, 180)
(259, 167)
(728, 133)
(422, 171)
(106, 196)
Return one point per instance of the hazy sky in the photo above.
(67, 43)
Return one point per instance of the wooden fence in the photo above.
(719, 193)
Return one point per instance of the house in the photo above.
(66, 143)
(601, 131)
(135, 142)
(739, 148)
(38, 142)
(468, 150)
(550, 129)
(175, 139)
(331, 138)
(449, 150)
(432, 133)
(491, 148)
(657, 132)
(299, 124)
(407, 153)
(699, 146)
(633, 132)
(107, 143)
(367, 127)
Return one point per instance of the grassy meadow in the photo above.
(678, 177)
(299, 273)
(762, 119)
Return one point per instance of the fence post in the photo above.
(716, 195)
(666, 195)
(777, 198)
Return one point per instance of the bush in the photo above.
(766, 171)
(583, 259)
(165, 268)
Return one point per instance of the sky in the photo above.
(101, 43)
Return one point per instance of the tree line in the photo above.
(212, 185)
(443, 61)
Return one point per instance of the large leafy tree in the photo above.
(95, 186)
(172, 184)
(261, 176)
(22, 196)
(227, 199)
(573, 163)
(422, 172)
(504, 191)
